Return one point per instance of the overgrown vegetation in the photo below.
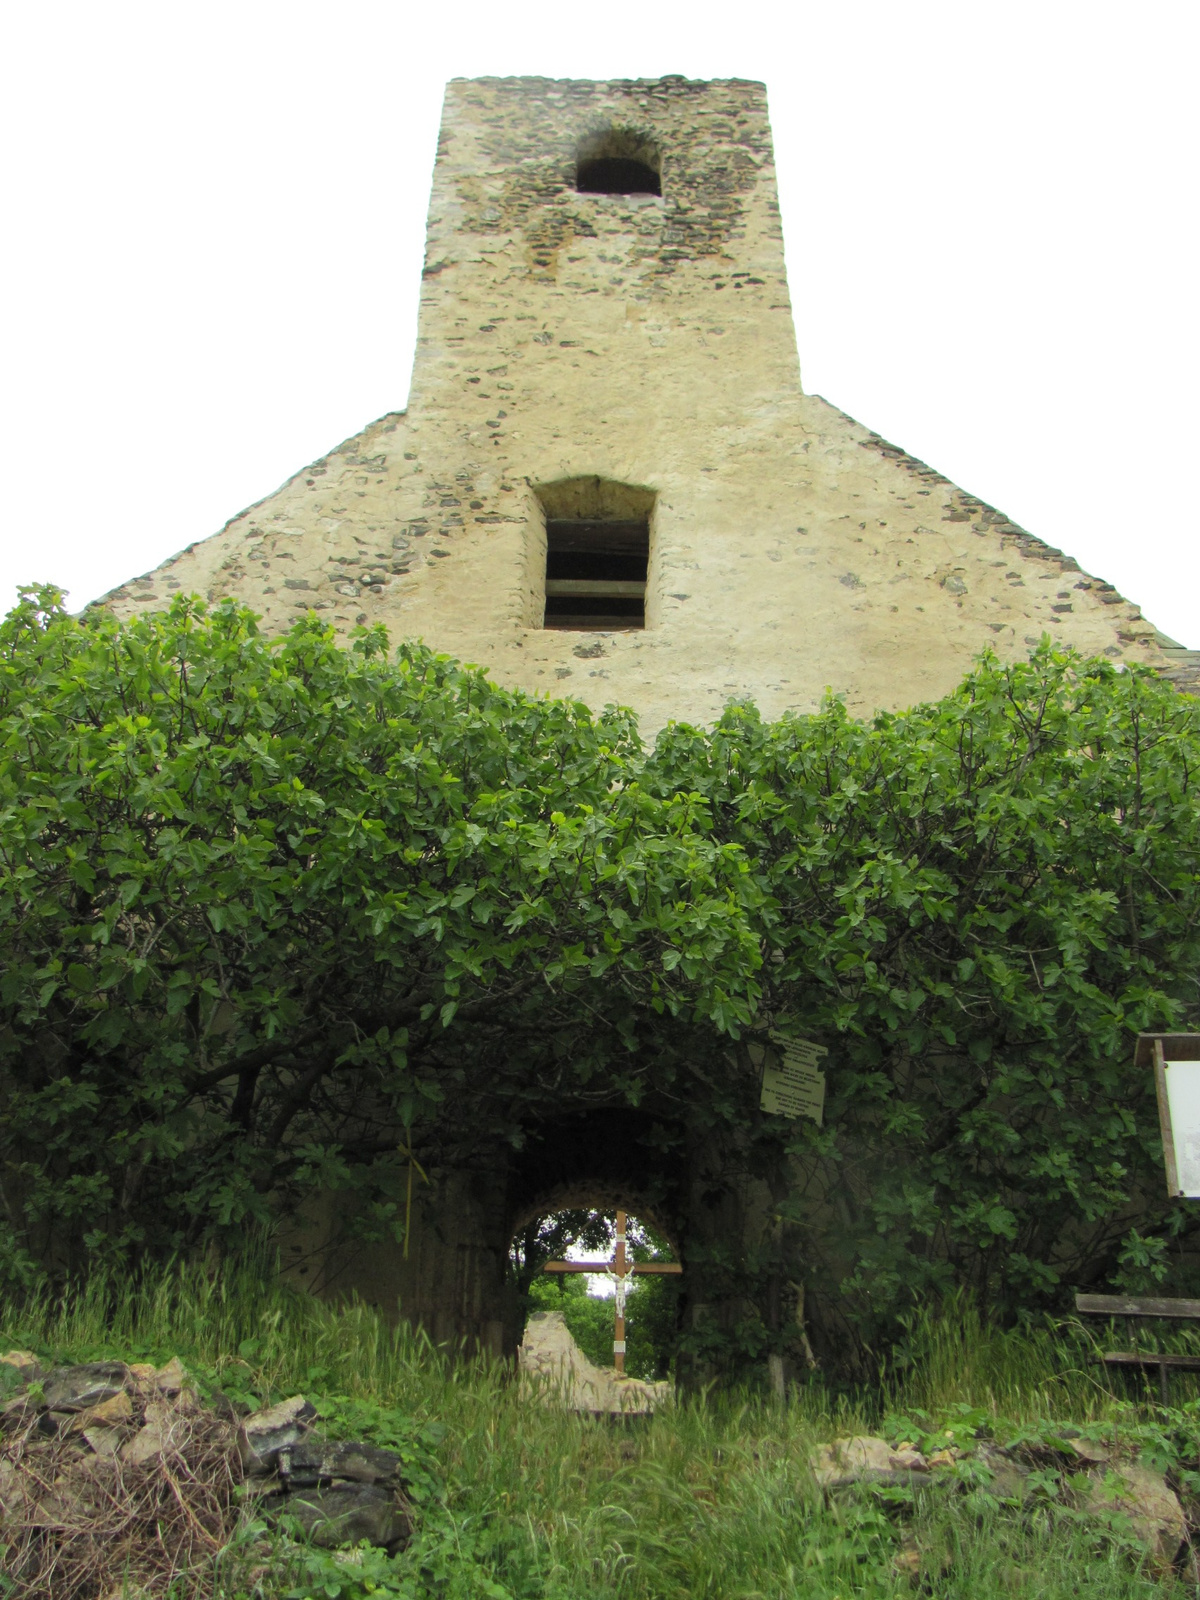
(267, 904)
(274, 914)
(710, 1501)
(977, 904)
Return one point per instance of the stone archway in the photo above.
(608, 1160)
(613, 1156)
(658, 1161)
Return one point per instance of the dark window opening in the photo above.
(616, 175)
(596, 573)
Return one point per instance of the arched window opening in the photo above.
(597, 554)
(618, 161)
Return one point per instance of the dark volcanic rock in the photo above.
(317, 1461)
(79, 1388)
(345, 1513)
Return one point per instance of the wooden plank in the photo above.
(607, 1266)
(1123, 1305)
(1175, 1047)
(1164, 1119)
(620, 1270)
(593, 624)
(598, 588)
(1149, 1358)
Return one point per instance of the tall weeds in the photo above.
(711, 1498)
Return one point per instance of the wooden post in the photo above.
(622, 1269)
(1164, 1119)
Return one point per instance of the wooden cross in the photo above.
(620, 1268)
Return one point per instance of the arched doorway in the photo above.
(691, 1174)
(569, 1180)
(635, 1330)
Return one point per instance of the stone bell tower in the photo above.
(609, 483)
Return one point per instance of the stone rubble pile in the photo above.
(1096, 1478)
(87, 1448)
(337, 1492)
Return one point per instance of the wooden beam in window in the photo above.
(592, 623)
(600, 588)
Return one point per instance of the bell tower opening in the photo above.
(597, 555)
(596, 573)
(618, 161)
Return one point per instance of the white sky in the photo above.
(216, 217)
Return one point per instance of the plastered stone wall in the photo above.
(648, 341)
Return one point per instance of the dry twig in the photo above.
(80, 1525)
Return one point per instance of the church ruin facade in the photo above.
(609, 484)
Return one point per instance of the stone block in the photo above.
(263, 1434)
(81, 1387)
(345, 1513)
(555, 1369)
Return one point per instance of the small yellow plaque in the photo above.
(793, 1084)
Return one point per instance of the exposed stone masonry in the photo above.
(647, 341)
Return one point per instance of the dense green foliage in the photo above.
(976, 905)
(264, 903)
(276, 913)
(708, 1501)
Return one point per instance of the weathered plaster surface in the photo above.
(556, 1372)
(649, 341)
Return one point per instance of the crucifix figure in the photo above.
(619, 1269)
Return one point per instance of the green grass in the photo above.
(710, 1500)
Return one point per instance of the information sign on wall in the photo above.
(1175, 1058)
(793, 1084)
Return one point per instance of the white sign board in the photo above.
(793, 1084)
(1175, 1061)
(1183, 1103)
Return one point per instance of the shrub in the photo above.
(268, 905)
(976, 904)
(278, 915)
